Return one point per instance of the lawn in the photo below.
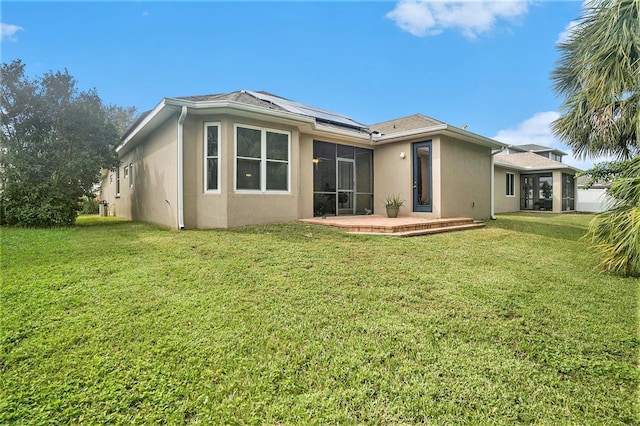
(120, 322)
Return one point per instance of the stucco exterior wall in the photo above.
(557, 192)
(149, 193)
(228, 207)
(460, 176)
(108, 190)
(251, 208)
(305, 181)
(394, 175)
(465, 179)
(204, 209)
(505, 203)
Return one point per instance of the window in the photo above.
(511, 178)
(211, 157)
(262, 159)
(130, 175)
(126, 172)
(118, 182)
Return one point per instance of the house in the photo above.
(544, 151)
(533, 177)
(245, 158)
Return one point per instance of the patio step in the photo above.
(411, 230)
(427, 231)
(400, 227)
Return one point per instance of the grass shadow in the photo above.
(545, 225)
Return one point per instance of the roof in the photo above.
(278, 103)
(412, 122)
(528, 161)
(238, 96)
(316, 121)
(536, 148)
(582, 181)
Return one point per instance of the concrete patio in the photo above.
(404, 226)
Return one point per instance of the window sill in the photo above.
(258, 192)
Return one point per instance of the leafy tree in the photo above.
(54, 140)
(605, 172)
(599, 75)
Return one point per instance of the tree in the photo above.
(615, 233)
(599, 75)
(54, 140)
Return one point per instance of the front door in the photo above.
(346, 185)
(422, 188)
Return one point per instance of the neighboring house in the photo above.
(594, 199)
(246, 158)
(533, 177)
(544, 151)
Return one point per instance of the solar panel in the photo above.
(317, 113)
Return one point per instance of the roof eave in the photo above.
(536, 169)
(439, 129)
(151, 116)
(172, 105)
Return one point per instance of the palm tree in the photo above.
(615, 233)
(599, 76)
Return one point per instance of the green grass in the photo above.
(120, 322)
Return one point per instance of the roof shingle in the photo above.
(412, 122)
(528, 160)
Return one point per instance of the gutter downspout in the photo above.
(183, 115)
(493, 189)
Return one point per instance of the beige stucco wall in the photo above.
(460, 178)
(203, 209)
(228, 207)
(504, 203)
(394, 175)
(557, 192)
(150, 192)
(465, 179)
(305, 186)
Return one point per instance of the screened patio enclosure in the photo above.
(538, 192)
(342, 179)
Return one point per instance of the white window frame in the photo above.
(263, 160)
(206, 156)
(512, 186)
(118, 182)
(130, 175)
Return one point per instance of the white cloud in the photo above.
(472, 18)
(8, 30)
(568, 32)
(145, 13)
(537, 130)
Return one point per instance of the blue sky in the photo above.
(483, 64)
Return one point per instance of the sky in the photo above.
(480, 63)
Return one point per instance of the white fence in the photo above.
(592, 200)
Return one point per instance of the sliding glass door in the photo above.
(537, 192)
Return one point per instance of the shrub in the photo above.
(89, 206)
(615, 233)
